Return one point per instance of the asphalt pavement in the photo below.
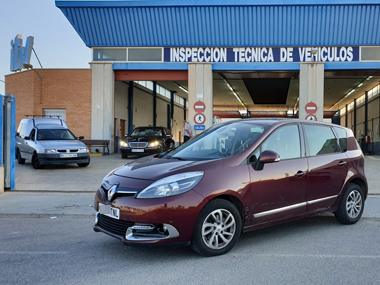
(70, 190)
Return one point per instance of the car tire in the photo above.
(217, 229)
(83, 164)
(36, 162)
(351, 205)
(124, 155)
(20, 160)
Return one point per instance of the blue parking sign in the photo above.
(199, 127)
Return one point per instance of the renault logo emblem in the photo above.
(111, 192)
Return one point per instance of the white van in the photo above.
(48, 141)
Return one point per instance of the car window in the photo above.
(285, 141)
(220, 142)
(32, 134)
(342, 136)
(51, 134)
(321, 140)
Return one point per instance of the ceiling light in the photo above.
(360, 84)
(349, 93)
(369, 77)
(183, 88)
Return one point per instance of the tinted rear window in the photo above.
(321, 140)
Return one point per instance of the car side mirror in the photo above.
(17, 134)
(81, 138)
(267, 156)
(27, 138)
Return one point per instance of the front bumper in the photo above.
(140, 151)
(55, 158)
(167, 220)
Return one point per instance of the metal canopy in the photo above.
(224, 23)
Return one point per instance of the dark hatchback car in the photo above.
(233, 178)
(146, 140)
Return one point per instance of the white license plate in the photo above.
(109, 211)
(68, 155)
(137, 150)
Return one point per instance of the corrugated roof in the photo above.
(246, 25)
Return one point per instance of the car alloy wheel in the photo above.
(354, 204)
(217, 229)
(351, 205)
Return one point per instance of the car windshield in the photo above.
(147, 132)
(52, 134)
(219, 142)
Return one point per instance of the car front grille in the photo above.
(117, 227)
(65, 151)
(138, 144)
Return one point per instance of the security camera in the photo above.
(314, 51)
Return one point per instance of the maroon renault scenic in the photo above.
(233, 178)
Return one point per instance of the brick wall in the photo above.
(68, 89)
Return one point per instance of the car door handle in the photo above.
(342, 163)
(300, 174)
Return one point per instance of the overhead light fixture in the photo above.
(183, 88)
(349, 93)
(360, 84)
(369, 77)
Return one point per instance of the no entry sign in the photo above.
(311, 108)
(199, 107)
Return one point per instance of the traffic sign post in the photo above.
(199, 118)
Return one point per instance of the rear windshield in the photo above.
(219, 142)
(51, 134)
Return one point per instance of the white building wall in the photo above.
(360, 116)
(177, 128)
(102, 110)
(161, 110)
(142, 108)
(121, 100)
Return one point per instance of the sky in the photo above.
(56, 43)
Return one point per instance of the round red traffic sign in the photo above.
(311, 108)
(199, 119)
(199, 107)
(311, 118)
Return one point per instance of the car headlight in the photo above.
(154, 144)
(83, 150)
(172, 185)
(123, 144)
(49, 151)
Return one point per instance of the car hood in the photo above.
(153, 168)
(62, 144)
(142, 139)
